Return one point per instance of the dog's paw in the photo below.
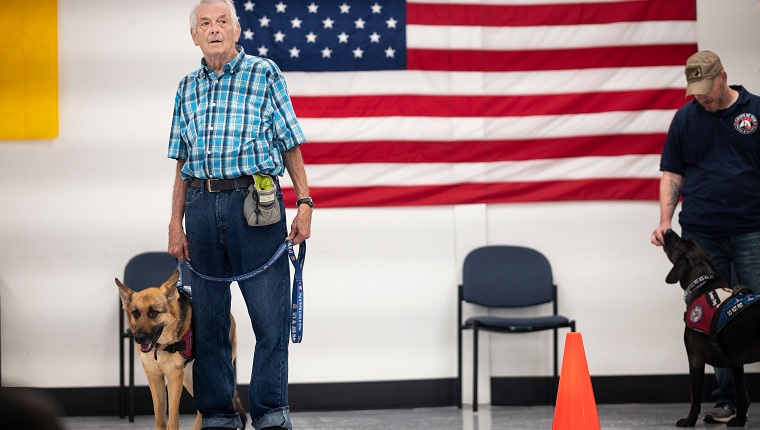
(686, 422)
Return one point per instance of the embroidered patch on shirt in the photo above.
(745, 123)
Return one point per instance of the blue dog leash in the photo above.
(296, 316)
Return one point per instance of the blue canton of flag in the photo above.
(325, 35)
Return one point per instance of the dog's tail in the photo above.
(238, 405)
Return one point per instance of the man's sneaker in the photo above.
(721, 413)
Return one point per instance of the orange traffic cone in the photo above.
(576, 407)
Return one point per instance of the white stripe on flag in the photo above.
(421, 174)
(550, 37)
(496, 128)
(478, 83)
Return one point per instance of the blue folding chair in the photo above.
(506, 277)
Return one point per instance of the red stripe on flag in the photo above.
(484, 106)
(504, 192)
(479, 150)
(557, 14)
(550, 59)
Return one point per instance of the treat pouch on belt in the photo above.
(261, 206)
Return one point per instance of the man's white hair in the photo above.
(230, 6)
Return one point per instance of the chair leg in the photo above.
(131, 382)
(555, 380)
(459, 347)
(475, 368)
(459, 368)
(122, 387)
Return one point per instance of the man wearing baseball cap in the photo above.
(711, 159)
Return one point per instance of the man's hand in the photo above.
(658, 235)
(178, 242)
(300, 228)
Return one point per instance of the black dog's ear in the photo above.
(679, 269)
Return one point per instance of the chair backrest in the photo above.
(507, 276)
(149, 269)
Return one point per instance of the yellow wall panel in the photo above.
(29, 69)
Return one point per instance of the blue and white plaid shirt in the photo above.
(235, 124)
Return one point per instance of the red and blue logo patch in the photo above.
(745, 123)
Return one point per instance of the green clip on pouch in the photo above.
(261, 206)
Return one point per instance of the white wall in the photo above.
(380, 283)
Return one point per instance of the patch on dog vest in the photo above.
(733, 307)
(700, 313)
(711, 311)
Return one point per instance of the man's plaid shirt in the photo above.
(235, 124)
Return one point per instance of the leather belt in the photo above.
(216, 185)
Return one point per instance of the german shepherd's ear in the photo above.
(681, 266)
(170, 286)
(124, 293)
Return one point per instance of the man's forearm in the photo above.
(297, 172)
(670, 195)
(179, 195)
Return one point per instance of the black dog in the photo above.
(730, 347)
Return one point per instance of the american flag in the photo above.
(426, 102)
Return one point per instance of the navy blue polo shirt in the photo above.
(718, 154)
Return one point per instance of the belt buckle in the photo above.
(209, 186)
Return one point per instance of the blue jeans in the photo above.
(223, 245)
(742, 254)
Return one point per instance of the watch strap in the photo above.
(305, 201)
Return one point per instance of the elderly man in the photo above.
(712, 158)
(232, 120)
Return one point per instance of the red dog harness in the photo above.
(710, 305)
(184, 346)
(701, 312)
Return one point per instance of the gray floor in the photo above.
(618, 417)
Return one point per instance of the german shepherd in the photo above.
(158, 318)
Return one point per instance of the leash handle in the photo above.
(296, 316)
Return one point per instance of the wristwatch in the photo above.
(305, 201)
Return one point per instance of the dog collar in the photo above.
(695, 286)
